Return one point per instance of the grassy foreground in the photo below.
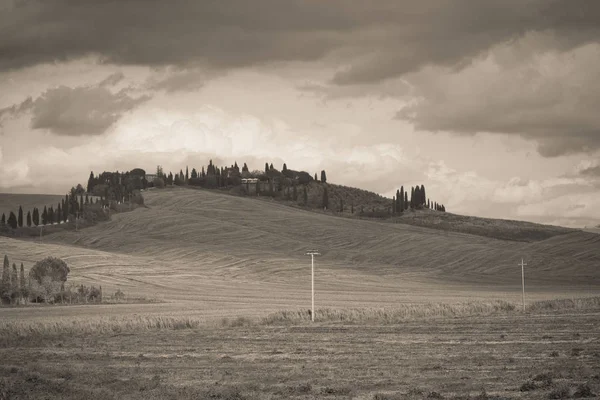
(505, 355)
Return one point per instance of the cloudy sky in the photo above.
(492, 105)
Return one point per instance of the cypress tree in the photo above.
(397, 202)
(14, 283)
(28, 218)
(325, 199)
(12, 220)
(417, 197)
(423, 195)
(50, 215)
(90, 185)
(316, 180)
(266, 167)
(3, 220)
(5, 282)
(323, 176)
(22, 282)
(394, 204)
(59, 213)
(36, 216)
(406, 200)
(20, 217)
(401, 199)
(187, 174)
(284, 168)
(412, 197)
(428, 205)
(271, 166)
(45, 216)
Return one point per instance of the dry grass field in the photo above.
(205, 256)
(493, 357)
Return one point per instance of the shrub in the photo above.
(119, 295)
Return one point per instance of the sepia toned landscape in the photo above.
(299, 199)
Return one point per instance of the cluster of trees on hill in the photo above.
(45, 282)
(117, 186)
(418, 200)
(287, 183)
(68, 208)
(213, 176)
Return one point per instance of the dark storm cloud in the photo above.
(372, 41)
(591, 171)
(81, 110)
(87, 110)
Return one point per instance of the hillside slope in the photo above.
(227, 251)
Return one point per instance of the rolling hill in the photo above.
(205, 250)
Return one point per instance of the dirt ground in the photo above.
(520, 356)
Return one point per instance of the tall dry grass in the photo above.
(402, 313)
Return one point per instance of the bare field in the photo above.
(497, 357)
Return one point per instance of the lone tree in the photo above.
(406, 200)
(28, 218)
(5, 282)
(47, 277)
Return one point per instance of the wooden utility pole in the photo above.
(523, 281)
(312, 254)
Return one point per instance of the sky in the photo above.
(492, 105)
